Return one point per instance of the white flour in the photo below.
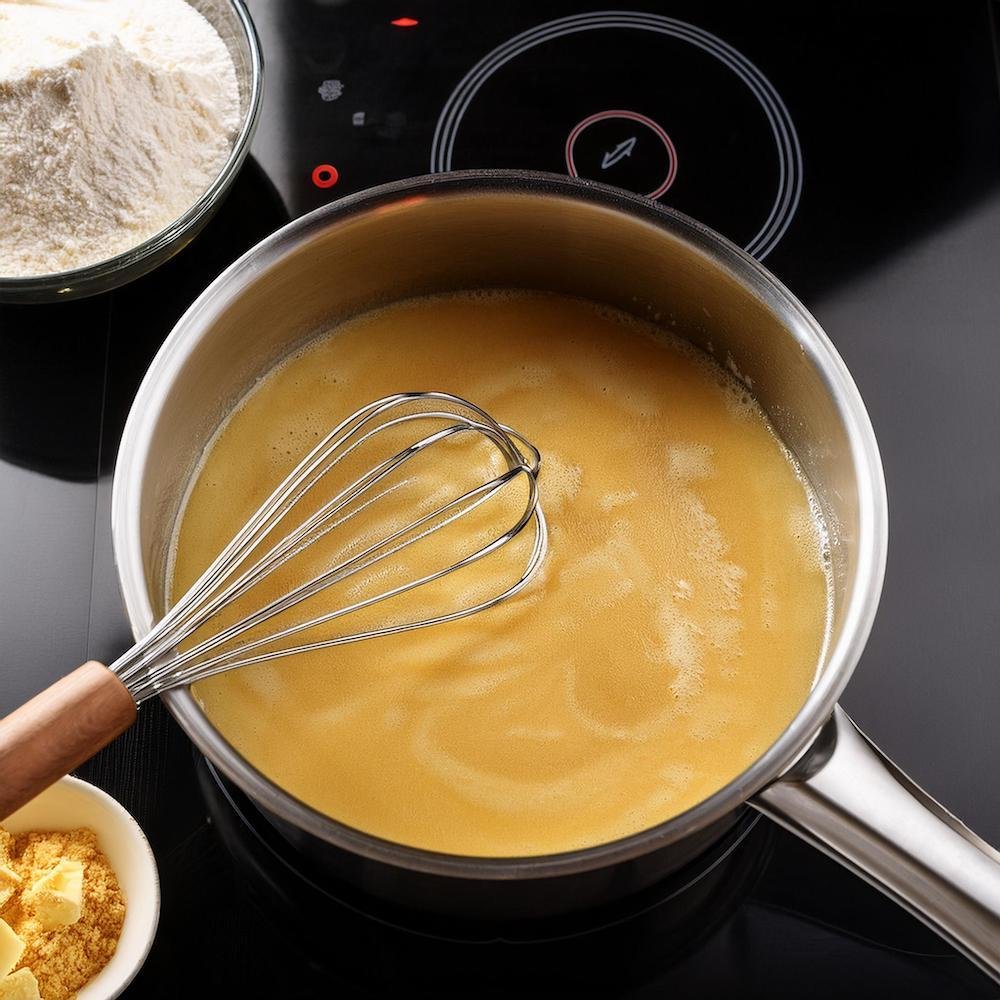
(115, 116)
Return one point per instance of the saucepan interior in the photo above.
(504, 230)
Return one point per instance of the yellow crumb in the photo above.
(65, 959)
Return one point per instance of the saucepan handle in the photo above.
(848, 799)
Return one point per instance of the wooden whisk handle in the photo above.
(58, 730)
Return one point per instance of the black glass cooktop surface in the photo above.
(856, 149)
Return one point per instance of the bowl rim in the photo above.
(843, 656)
(151, 876)
(112, 272)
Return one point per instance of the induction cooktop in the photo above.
(855, 148)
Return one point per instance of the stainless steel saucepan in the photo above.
(821, 778)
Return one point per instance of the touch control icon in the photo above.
(620, 151)
(608, 146)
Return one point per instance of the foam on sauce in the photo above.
(673, 632)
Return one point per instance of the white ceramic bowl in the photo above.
(72, 803)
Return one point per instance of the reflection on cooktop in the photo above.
(707, 889)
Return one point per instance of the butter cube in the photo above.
(11, 948)
(20, 985)
(57, 896)
(9, 881)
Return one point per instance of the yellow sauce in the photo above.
(674, 631)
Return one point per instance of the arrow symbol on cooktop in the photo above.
(620, 151)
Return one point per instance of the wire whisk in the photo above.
(332, 493)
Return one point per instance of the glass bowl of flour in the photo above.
(123, 123)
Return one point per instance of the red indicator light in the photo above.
(325, 175)
(405, 22)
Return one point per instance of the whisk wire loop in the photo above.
(156, 663)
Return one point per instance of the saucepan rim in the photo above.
(858, 614)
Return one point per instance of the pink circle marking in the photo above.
(631, 116)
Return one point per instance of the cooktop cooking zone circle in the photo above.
(686, 119)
